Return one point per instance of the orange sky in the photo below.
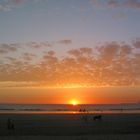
(100, 95)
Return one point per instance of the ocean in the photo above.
(66, 108)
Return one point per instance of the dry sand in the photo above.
(87, 137)
(71, 127)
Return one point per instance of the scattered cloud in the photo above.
(13, 84)
(134, 4)
(108, 51)
(8, 5)
(109, 64)
(65, 41)
(113, 3)
(10, 58)
(17, 2)
(74, 52)
(37, 45)
(5, 48)
(3, 51)
(50, 58)
(96, 3)
(51, 53)
(5, 7)
(29, 56)
(126, 49)
(136, 43)
(34, 45)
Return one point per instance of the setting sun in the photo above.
(74, 102)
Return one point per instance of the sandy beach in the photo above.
(70, 126)
(86, 137)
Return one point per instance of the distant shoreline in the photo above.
(70, 112)
(70, 109)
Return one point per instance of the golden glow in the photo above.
(74, 102)
(71, 96)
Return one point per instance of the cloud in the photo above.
(36, 1)
(109, 50)
(47, 44)
(51, 53)
(8, 5)
(96, 3)
(74, 52)
(29, 56)
(133, 4)
(86, 50)
(12, 59)
(50, 57)
(126, 49)
(37, 45)
(13, 84)
(5, 48)
(113, 3)
(109, 64)
(2, 51)
(80, 51)
(136, 43)
(5, 7)
(34, 45)
(65, 41)
(17, 2)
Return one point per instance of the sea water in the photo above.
(67, 108)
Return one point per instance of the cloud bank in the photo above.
(108, 64)
(133, 4)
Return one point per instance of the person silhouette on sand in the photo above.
(10, 124)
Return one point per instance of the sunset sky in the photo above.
(55, 51)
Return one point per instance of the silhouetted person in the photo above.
(10, 124)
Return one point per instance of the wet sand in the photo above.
(71, 126)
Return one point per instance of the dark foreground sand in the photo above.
(71, 127)
(86, 137)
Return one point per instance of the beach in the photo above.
(70, 126)
(87, 137)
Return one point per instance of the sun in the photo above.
(74, 102)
